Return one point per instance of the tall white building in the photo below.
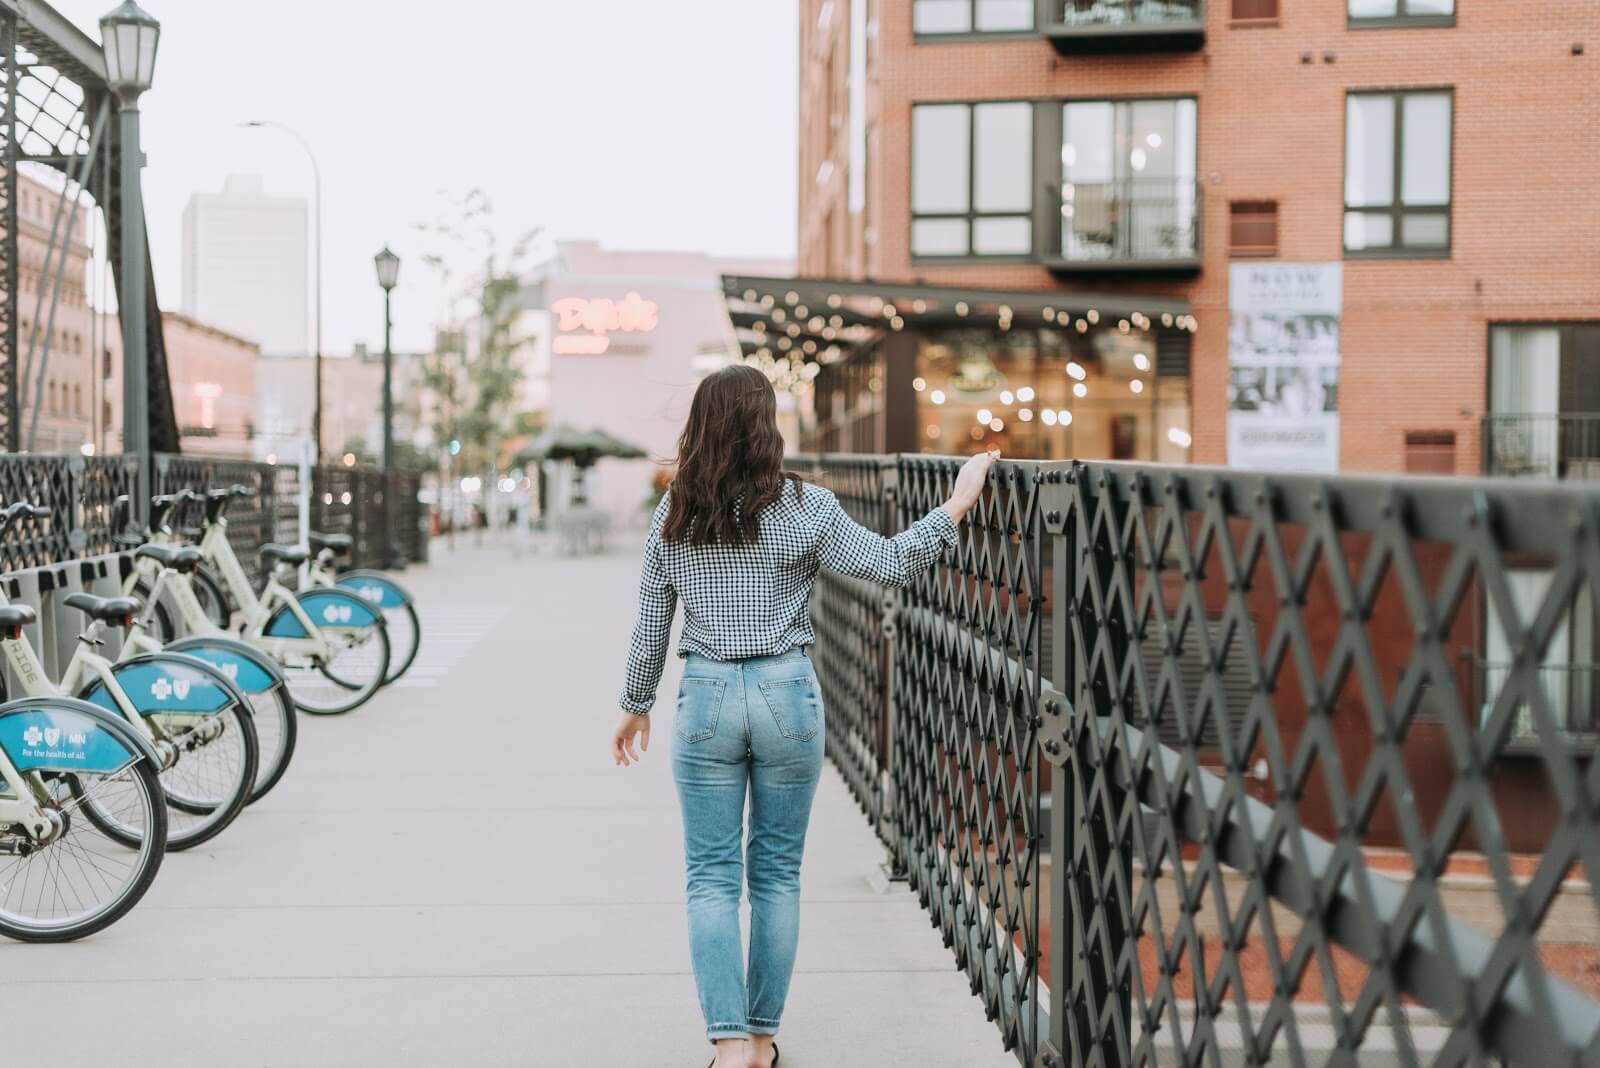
(244, 264)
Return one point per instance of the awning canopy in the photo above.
(821, 320)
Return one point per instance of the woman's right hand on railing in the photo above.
(970, 480)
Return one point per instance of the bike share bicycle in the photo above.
(186, 712)
(374, 587)
(162, 577)
(332, 645)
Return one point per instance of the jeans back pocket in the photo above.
(795, 705)
(699, 706)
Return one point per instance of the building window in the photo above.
(1128, 189)
(1397, 173)
(937, 17)
(1253, 229)
(1567, 668)
(972, 179)
(1544, 391)
(1254, 11)
(1402, 13)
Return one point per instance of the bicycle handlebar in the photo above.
(17, 509)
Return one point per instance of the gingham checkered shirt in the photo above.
(755, 599)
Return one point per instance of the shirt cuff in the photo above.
(944, 528)
(635, 705)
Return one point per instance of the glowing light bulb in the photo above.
(1075, 369)
(937, 396)
(919, 384)
(984, 415)
(1025, 394)
(1137, 385)
(1179, 437)
(997, 425)
(1141, 361)
(1025, 414)
(1064, 417)
(1048, 417)
(1006, 396)
(1080, 390)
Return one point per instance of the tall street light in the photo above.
(316, 181)
(388, 265)
(128, 38)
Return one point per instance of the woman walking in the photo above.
(739, 542)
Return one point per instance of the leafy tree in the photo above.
(476, 377)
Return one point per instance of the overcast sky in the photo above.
(635, 122)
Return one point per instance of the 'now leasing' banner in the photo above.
(1283, 365)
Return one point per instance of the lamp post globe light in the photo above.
(388, 266)
(128, 39)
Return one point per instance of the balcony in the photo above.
(1542, 445)
(1088, 27)
(1132, 226)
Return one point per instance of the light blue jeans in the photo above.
(751, 726)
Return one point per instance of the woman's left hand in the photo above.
(633, 729)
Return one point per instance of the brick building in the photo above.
(1124, 157)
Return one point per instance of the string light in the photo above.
(834, 300)
(1179, 437)
(984, 415)
(1166, 318)
(1083, 326)
(1122, 325)
(1064, 417)
(1048, 417)
(1075, 369)
(1080, 390)
(1093, 316)
(791, 297)
(919, 305)
(1006, 396)
(750, 296)
(1025, 394)
(800, 311)
(1025, 414)
(778, 315)
(997, 425)
(919, 383)
(835, 321)
(1137, 385)
(937, 396)
(961, 307)
(897, 323)
(1141, 361)
(1049, 314)
(888, 311)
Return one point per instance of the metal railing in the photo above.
(1189, 766)
(1079, 13)
(1146, 220)
(81, 493)
(1542, 445)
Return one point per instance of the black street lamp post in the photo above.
(388, 265)
(128, 38)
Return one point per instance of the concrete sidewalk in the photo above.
(518, 902)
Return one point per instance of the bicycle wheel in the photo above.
(355, 671)
(162, 629)
(405, 638)
(277, 730)
(272, 707)
(208, 591)
(84, 879)
(205, 726)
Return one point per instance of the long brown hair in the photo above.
(730, 461)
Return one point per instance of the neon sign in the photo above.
(587, 325)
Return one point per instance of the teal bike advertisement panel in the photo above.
(333, 608)
(247, 669)
(375, 588)
(59, 734)
(159, 683)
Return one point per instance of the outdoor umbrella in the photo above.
(581, 447)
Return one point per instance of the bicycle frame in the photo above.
(257, 610)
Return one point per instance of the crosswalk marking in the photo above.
(449, 633)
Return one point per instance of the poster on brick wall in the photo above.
(1283, 366)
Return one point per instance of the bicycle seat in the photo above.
(293, 555)
(338, 544)
(13, 617)
(183, 558)
(118, 610)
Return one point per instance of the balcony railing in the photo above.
(1147, 224)
(1128, 25)
(1189, 766)
(1542, 445)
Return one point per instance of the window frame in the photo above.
(975, 34)
(1400, 20)
(972, 214)
(1049, 178)
(1396, 208)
